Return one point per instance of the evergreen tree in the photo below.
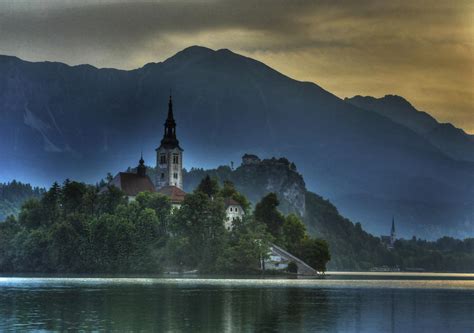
(208, 186)
(266, 212)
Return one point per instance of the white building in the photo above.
(234, 211)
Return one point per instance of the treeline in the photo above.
(446, 254)
(78, 228)
(12, 196)
(352, 248)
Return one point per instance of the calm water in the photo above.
(340, 303)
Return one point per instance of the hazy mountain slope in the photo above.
(13, 195)
(449, 139)
(59, 121)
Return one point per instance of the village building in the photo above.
(132, 183)
(279, 260)
(175, 195)
(233, 211)
(249, 159)
(389, 241)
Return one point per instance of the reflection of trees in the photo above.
(163, 307)
(183, 307)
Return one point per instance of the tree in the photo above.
(229, 191)
(248, 245)
(31, 214)
(266, 212)
(200, 219)
(160, 204)
(208, 186)
(109, 199)
(315, 252)
(293, 231)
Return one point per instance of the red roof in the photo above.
(132, 184)
(175, 194)
(230, 202)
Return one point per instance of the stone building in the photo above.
(132, 183)
(169, 155)
(249, 159)
(175, 194)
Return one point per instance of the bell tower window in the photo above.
(162, 158)
(175, 159)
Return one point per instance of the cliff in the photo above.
(258, 178)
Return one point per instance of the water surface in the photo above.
(343, 302)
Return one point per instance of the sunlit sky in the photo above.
(422, 50)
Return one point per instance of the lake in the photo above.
(343, 302)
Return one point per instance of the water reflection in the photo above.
(226, 306)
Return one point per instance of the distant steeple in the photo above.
(392, 232)
(141, 168)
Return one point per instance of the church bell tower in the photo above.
(169, 155)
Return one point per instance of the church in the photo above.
(389, 240)
(169, 174)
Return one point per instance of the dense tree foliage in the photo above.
(80, 228)
(266, 212)
(354, 249)
(74, 228)
(290, 233)
(13, 195)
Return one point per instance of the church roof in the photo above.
(132, 183)
(175, 194)
(231, 202)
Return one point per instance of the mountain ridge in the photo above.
(98, 120)
(451, 140)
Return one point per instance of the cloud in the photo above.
(423, 50)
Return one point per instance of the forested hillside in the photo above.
(12, 196)
(351, 247)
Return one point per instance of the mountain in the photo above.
(59, 121)
(453, 141)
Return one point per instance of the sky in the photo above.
(421, 50)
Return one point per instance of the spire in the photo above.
(141, 168)
(393, 226)
(169, 137)
(170, 109)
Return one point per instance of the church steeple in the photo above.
(141, 168)
(169, 155)
(392, 231)
(169, 137)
